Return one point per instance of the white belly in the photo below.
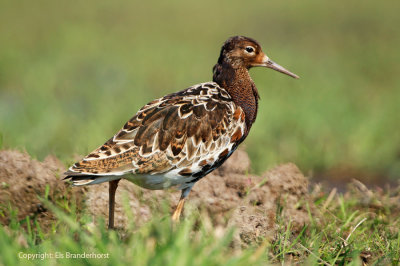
(160, 181)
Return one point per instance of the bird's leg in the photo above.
(177, 213)
(111, 193)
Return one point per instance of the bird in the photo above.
(176, 140)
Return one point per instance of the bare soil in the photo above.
(23, 181)
(229, 196)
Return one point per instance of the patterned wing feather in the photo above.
(187, 134)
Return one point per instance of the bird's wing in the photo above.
(184, 132)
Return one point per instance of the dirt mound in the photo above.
(23, 179)
(230, 196)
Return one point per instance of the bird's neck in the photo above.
(238, 83)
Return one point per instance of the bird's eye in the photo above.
(249, 49)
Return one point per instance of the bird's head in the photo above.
(240, 51)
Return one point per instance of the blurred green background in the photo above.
(71, 74)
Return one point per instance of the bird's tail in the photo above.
(84, 179)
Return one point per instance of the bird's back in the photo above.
(172, 141)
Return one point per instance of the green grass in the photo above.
(156, 243)
(349, 230)
(72, 74)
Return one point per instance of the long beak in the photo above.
(271, 64)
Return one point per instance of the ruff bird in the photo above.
(176, 140)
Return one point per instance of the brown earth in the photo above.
(230, 196)
(23, 180)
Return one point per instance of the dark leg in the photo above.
(177, 213)
(111, 192)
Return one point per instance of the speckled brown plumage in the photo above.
(183, 134)
(179, 138)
